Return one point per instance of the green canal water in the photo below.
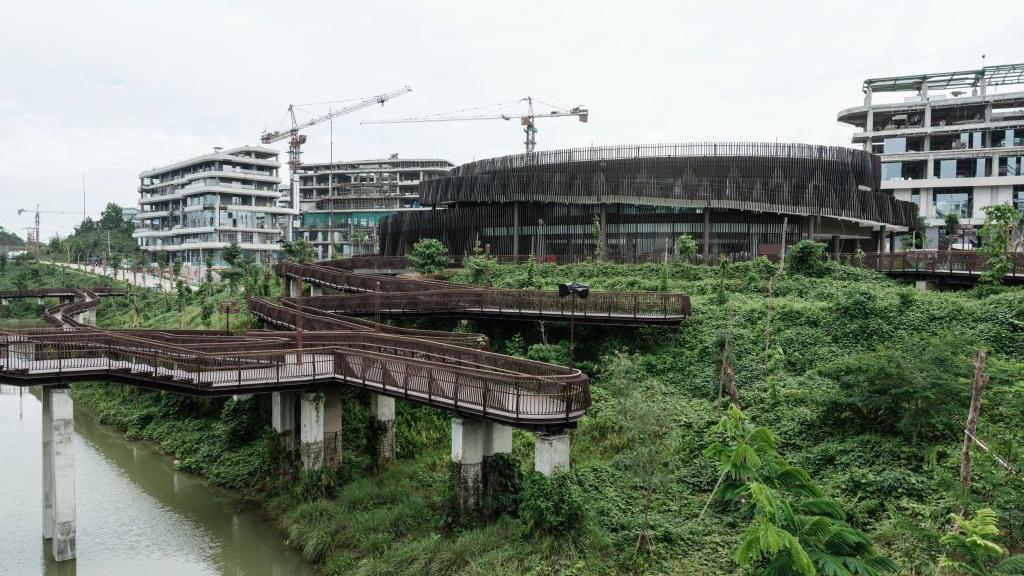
(137, 514)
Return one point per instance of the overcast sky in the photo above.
(111, 88)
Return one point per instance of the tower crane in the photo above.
(296, 140)
(37, 212)
(527, 118)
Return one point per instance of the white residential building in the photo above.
(191, 210)
(955, 144)
(342, 203)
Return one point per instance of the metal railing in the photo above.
(463, 379)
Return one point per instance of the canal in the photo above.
(137, 514)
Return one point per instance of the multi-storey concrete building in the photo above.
(955, 144)
(193, 209)
(342, 203)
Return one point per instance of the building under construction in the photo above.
(341, 203)
(628, 202)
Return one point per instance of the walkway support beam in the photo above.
(59, 466)
(311, 426)
(383, 410)
(282, 416)
(552, 453)
(467, 465)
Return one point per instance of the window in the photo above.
(1018, 197)
(947, 168)
(915, 196)
(892, 171)
(894, 146)
(953, 201)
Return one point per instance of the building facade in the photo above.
(192, 210)
(631, 202)
(341, 204)
(951, 143)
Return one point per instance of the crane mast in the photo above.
(296, 140)
(527, 119)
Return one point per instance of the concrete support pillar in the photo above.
(59, 467)
(892, 242)
(835, 244)
(383, 410)
(311, 430)
(282, 416)
(316, 290)
(47, 464)
(294, 288)
(332, 429)
(467, 464)
(876, 241)
(241, 397)
(923, 285)
(552, 453)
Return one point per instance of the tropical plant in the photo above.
(298, 250)
(807, 258)
(232, 254)
(972, 548)
(686, 247)
(480, 265)
(429, 256)
(795, 528)
(997, 237)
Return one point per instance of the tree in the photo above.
(232, 276)
(112, 217)
(429, 256)
(298, 250)
(880, 391)
(480, 266)
(3, 261)
(795, 528)
(358, 237)
(807, 258)
(686, 247)
(184, 294)
(232, 254)
(176, 266)
(997, 238)
(598, 245)
(972, 548)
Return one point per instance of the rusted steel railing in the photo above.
(466, 380)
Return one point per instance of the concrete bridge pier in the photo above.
(316, 290)
(294, 287)
(467, 465)
(497, 440)
(311, 430)
(332, 429)
(282, 416)
(59, 471)
(552, 453)
(383, 410)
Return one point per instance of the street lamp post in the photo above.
(575, 290)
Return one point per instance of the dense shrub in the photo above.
(552, 505)
(429, 256)
(807, 257)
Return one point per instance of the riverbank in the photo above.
(137, 513)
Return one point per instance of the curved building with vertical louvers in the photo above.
(732, 198)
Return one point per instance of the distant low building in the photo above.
(193, 209)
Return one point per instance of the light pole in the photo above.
(575, 290)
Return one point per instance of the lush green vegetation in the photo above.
(853, 388)
(10, 238)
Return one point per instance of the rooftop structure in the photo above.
(342, 202)
(954, 145)
(193, 209)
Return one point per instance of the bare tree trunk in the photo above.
(643, 541)
(980, 380)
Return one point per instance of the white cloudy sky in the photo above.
(109, 88)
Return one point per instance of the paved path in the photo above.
(126, 275)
